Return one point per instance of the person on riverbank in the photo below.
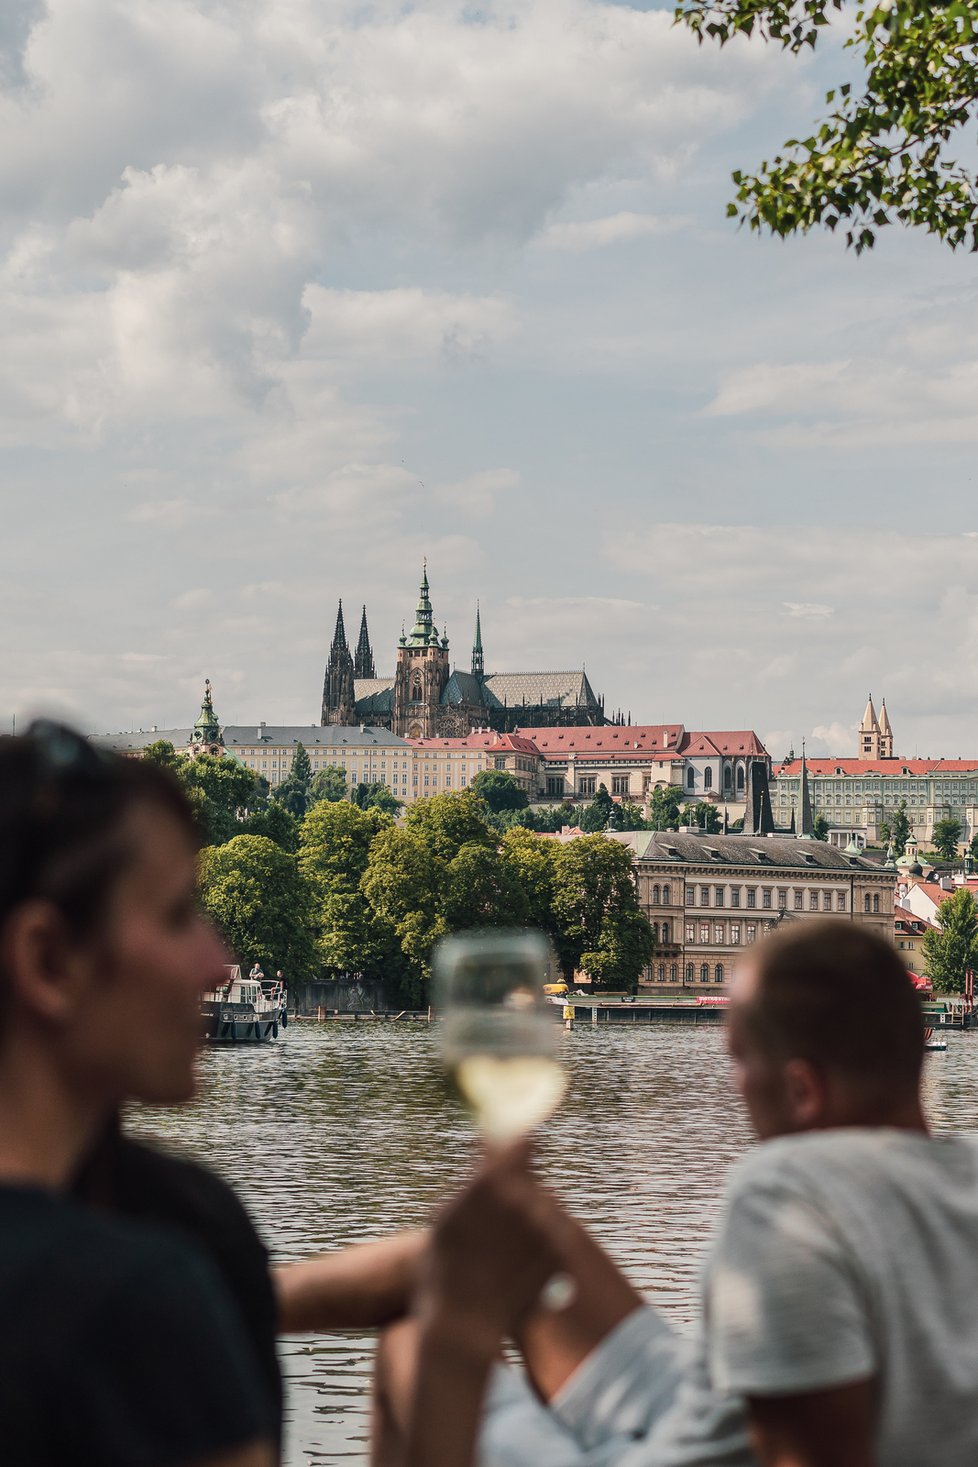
(835, 1329)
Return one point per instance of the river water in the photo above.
(336, 1133)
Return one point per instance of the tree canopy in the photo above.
(900, 828)
(947, 833)
(887, 151)
(328, 784)
(295, 791)
(500, 790)
(261, 902)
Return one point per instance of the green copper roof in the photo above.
(424, 633)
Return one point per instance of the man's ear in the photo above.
(44, 971)
(805, 1094)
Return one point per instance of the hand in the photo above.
(490, 1254)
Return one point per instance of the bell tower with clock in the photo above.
(421, 674)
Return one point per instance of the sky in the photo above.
(294, 293)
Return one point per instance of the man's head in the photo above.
(825, 1029)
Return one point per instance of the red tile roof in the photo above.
(653, 737)
(857, 767)
(500, 743)
(931, 889)
(737, 741)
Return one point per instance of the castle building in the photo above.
(875, 734)
(428, 698)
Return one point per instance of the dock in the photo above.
(608, 1009)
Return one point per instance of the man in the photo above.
(838, 1325)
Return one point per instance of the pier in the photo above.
(612, 1009)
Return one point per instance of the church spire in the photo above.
(478, 660)
(207, 737)
(424, 633)
(339, 699)
(339, 635)
(806, 819)
(869, 733)
(363, 662)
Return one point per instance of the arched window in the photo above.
(727, 776)
(718, 973)
(655, 896)
(662, 972)
(665, 895)
(689, 972)
(665, 932)
(876, 902)
(740, 776)
(655, 933)
(690, 778)
(866, 902)
(673, 972)
(708, 778)
(704, 973)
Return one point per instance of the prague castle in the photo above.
(426, 698)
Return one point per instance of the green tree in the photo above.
(450, 821)
(535, 864)
(501, 791)
(223, 792)
(335, 841)
(554, 817)
(885, 832)
(405, 885)
(162, 752)
(482, 890)
(820, 828)
(954, 949)
(947, 833)
(900, 828)
(260, 900)
(375, 796)
(704, 816)
(596, 815)
(664, 806)
(600, 926)
(628, 816)
(276, 823)
(885, 153)
(328, 784)
(973, 848)
(295, 790)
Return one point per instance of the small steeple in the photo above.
(886, 733)
(806, 818)
(870, 723)
(478, 660)
(363, 662)
(207, 736)
(424, 633)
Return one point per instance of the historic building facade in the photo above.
(427, 697)
(709, 897)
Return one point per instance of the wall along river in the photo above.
(340, 1132)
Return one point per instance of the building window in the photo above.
(704, 896)
(727, 775)
(704, 932)
(735, 896)
(662, 972)
(500, 763)
(665, 895)
(665, 933)
(690, 778)
(826, 901)
(876, 902)
(752, 896)
(708, 778)
(866, 902)
(555, 784)
(655, 896)
(655, 933)
(585, 785)
(691, 896)
(718, 933)
(782, 900)
(751, 931)
(619, 784)
(673, 972)
(704, 972)
(813, 901)
(799, 900)
(840, 901)
(718, 973)
(718, 896)
(766, 898)
(735, 934)
(689, 973)
(690, 932)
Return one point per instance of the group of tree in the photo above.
(667, 809)
(953, 948)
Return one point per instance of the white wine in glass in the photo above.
(499, 1037)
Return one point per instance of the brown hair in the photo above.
(839, 995)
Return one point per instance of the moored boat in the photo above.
(243, 1010)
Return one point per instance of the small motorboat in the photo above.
(243, 1010)
(934, 1041)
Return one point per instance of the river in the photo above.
(335, 1133)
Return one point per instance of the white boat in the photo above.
(244, 1010)
(934, 1041)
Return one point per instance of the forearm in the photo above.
(454, 1362)
(361, 1287)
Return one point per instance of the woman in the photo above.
(118, 1343)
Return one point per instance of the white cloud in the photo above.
(595, 234)
(808, 610)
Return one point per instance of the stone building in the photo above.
(709, 897)
(427, 697)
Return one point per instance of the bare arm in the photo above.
(362, 1287)
(255, 1454)
(833, 1428)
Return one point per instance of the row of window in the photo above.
(669, 973)
(716, 896)
(724, 934)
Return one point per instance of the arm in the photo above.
(361, 1287)
(832, 1428)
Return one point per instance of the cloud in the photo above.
(808, 610)
(595, 234)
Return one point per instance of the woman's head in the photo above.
(103, 952)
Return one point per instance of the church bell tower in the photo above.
(421, 674)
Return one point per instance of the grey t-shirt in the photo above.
(849, 1254)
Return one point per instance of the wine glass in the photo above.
(499, 1040)
(498, 1036)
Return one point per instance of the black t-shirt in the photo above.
(117, 1343)
(134, 1180)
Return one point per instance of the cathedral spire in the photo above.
(424, 633)
(806, 819)
(339, 635)
(363, 662)
(339, 699)
(478, 660)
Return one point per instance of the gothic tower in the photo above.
(363, 662)
(886, 733)
(478, 661)
(869, 733)
(421, 673)
(339, 704)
